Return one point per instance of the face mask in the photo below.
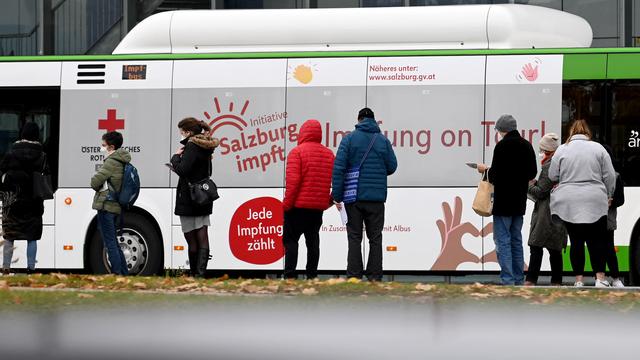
(182, 137)
(103, 149)
(542, 155)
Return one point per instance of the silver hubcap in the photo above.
(134, 247)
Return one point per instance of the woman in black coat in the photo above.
(22, 218)
(193, 163)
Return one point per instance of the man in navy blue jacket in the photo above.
(368, 209)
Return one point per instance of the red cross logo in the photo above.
(111, 123)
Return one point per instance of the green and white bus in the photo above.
(436, 77)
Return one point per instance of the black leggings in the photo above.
(594, 236)
(611, 257)
(197, 239)
(535, 262)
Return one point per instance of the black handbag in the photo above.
(42, 188)
(205, 191)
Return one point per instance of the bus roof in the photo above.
(456, 27)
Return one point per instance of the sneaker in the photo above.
(578, 284)
(617, 283)
(602, 284)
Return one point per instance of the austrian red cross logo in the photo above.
(111, 123)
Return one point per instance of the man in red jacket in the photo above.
(307, 195)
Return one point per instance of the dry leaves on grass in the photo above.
(60, 276)
(4, 285)
(59, 286)
(354, 280)
(85, 296)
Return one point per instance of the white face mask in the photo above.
(103, 149)
(541, 155)
(182, 137)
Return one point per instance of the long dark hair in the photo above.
(193, 125)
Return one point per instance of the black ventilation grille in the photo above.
(91, 77)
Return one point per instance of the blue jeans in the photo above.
(107, 227)
(507, 234)
(7, 254)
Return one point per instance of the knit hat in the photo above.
(549, 142)
(506, 123)
(31, 132)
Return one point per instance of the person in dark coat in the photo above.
(367, 212)
(545, 233)
(611, 257)
(22, 219)
(192, 163)
(512, 168)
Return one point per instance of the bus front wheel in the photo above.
(140, 243)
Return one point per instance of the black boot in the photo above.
(193, 263)
(203, 259)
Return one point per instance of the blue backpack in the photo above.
(130, 187)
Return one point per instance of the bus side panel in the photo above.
(529, 87)
(133, 98)
(244, 103)
(330, 91)
(431, 110)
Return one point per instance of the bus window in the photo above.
(625, 123)
(41, 106)
(9, 127)
(583, 100)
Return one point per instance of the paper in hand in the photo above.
(343, 214)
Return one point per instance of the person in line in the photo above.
(307, 195)
(513, 167)
(106, 182)
(368, 207)
(192, 163)
(22, 218)
(545, 233)
(611, 258)
(586, 181)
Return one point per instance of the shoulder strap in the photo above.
(373, 139)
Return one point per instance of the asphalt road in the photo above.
(323, 328)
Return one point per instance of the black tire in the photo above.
(141, 244)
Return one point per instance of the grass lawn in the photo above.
(55, 291)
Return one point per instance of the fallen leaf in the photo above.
(4, 285)
(310, 291)
(272, 288)
(425, 287)
(251, 288)
(122, 280)
(334, 281)
(186, 287)
(60, 276)
(59, 286)
(223, 277)
(38, 286)
(354, 280)
(478, 285)
(140, 285)
(92, 278)
(85, 296)
(480, 295)
(618, 293)
(245, 283)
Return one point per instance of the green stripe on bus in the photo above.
(623, 66)
(584, 67)
(622, 253)
(314, 54)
